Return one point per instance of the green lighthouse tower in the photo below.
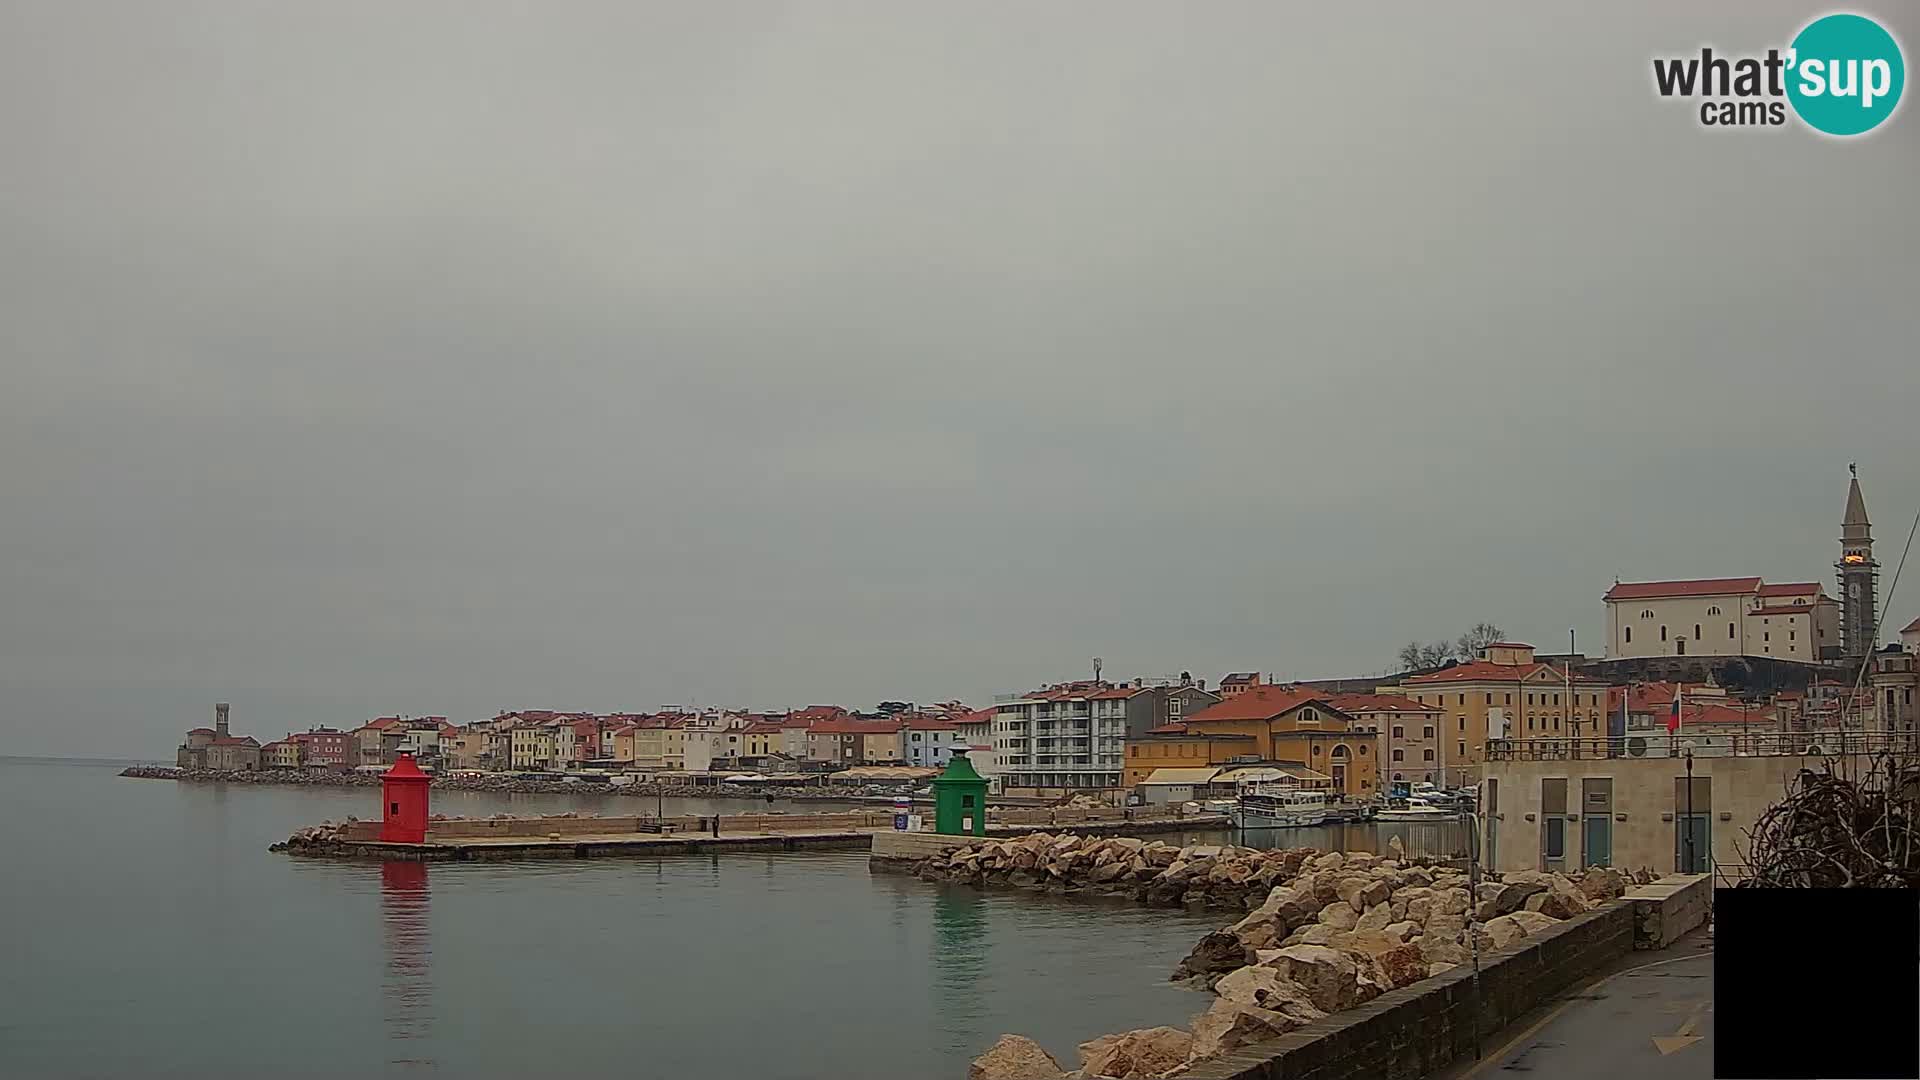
(960, 799)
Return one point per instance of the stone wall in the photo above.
(1410, 1032)
(1665, 910)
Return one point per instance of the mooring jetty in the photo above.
(574, 837)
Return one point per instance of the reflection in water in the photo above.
(959, 956)
(409, 984)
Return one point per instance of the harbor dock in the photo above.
(485, 839)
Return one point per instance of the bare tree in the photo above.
(1412, 655)
(1478, 637)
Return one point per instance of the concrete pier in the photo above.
(584, 838)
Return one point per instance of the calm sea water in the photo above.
(148, 932)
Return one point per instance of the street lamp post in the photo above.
(1686, 835)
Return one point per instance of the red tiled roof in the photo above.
(1115, 692)
(1258, 703)
(1650, 590)
(930, 723)
(977, 716)
(1359, 703)
(244, 740)
(1235, 678)
(201, 731)
(1175, 728)
(762, 728)
(1508, 645)
(1791, 588)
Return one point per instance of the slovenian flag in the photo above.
(1673, 717)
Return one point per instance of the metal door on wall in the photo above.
(1597, 844)
(1696, 858)
(1596, 821)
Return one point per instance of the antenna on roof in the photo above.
(1097, 662)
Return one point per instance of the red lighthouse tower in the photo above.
(403, 798)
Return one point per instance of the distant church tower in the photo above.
(1859, 575)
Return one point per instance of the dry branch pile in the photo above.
(1832, 831)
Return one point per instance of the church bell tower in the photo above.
(1859, 575)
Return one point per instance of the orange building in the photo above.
(1173, 747)
(1282, 724)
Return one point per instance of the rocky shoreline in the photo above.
(1322, 933)
(512, 785)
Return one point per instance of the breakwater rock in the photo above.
(508, 784)
(325, 839)
(1328, 933)
(1148, 871)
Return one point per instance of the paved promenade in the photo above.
(1652, 1022)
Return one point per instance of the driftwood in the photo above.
(1839, 832)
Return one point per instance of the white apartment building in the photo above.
(1064, 739)
(1722, 617)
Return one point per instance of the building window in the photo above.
(1316, 749)
(1663, 633)
(1556, 838)
(1629, 633)
(1427, 754)
(1462, 701)
(1489, 699)
(1428, 733)
(1696, 631)
(1399, 732)
(1363, 746)
(1766, 637)
(1509, 699)
(1399, 754)
(1646, 613)
(1792, 635)
(1713, 611)
(1463, 751)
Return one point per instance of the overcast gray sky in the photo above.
(443, 357)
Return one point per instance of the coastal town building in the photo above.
(1407, 735)
(1176, 748)
(1895, 677)
(855, 742)
(217, 747)
(1235, 683)
(929, 743)
(324, 747)
(1543, 810)
(1296, 727)
(1910, 637)
(1066, 739)
(1505, 694)
(1722, 617)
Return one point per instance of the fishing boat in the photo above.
(1264, 807)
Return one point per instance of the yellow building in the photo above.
(1296, 726)
(660, 748)
(532, 747)
(759, 740)
(1162, 748)
(1506, 694)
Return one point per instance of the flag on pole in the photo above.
(1673, 717)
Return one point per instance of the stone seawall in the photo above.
(1410, 1032)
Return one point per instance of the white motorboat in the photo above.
(1416, 809)
(1263, 807)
